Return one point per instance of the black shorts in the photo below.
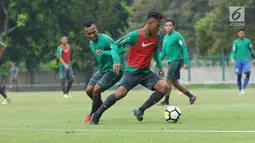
(174, 70)
(105, 80)
(148, 80)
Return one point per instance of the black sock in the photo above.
(3, 93)
(96, 103)
(107, 104)
(63, 85)
(69, 85)
(188, 94)
(166, 99)
(154, 98)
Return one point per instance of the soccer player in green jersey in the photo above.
(174, 48)
(104, 78)
(241, 49)
(65, 66)
(2, 86)
(143, 46)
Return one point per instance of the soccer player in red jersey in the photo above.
(144, 44)
(65, 67)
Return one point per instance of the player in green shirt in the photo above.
(104, 78)
(241, 50)
(174, 48)
(2, 86)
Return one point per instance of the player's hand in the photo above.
(161, 73)
(66, 67)
(99, 52)
(185, 67)
(253, 62)
(233, 61)
(154, 65)
(116, 68)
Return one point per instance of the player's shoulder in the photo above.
(106, 37)
(158, 35)
(177, 34)
(134, 33)
(247, 39)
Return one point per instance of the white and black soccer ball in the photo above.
(172, 114)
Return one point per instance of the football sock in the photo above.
(69, 85)
(239, 81)
(154, 98)
(96, 103)
(3, 93)
(110, 100)
(166, 99)
(63, 85)
(188, 94)
(246, 80)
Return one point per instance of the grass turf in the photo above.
(215, 110)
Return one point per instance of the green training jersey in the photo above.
(1, 43)
(142, 48)
(105, 61)
(174, 48)
(241, 49)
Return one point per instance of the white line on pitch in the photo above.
(141, 131)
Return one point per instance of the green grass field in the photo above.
(45, 117)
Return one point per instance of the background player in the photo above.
(174, 48)
(65, 67)
(143, 46)
(240, 56)
(14, 71)
(104, 78)
(2, 86)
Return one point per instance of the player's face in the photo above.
(12, 65)
(241, 34)
(91, 33)
(64, 40)
(154, 26)
(169, 27)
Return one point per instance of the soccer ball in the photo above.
(172, 114)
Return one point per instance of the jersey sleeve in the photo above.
(251, 50)
(17, 69)
(59, 52)
(233, 52)
(129, 39)
(182, 43)
(162, 53)
(156, 55)
(1, 44)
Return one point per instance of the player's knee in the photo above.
(97, 89)
(89, 90)
(239, 77)
(121, 92)
(247, 74)
(164, 87)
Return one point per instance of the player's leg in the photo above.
(181, 88)
(167, 96)
(238, 72)
(90, 88)
(108, 80)
(10, 85)
(129, 81)
(16, 84)
(151, 81)
(247, 71)
(2, 92)
(70, 76)
(62, 73)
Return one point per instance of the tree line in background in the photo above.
(32, 29)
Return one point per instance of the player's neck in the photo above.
(146, 30)
(241, 38)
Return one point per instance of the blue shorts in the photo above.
(242, 65)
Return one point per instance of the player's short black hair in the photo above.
(242, 29)
(87, 24)
(170, 20)
(155, 15)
